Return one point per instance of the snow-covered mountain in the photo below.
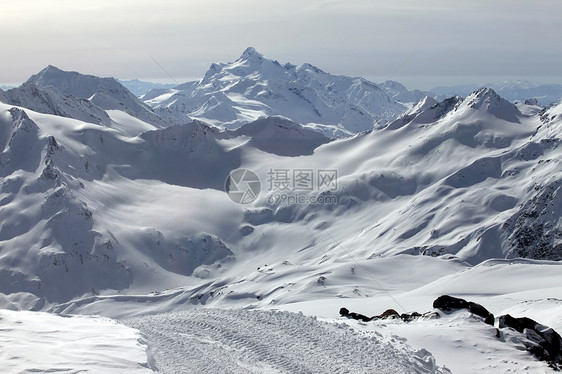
(253, 86)
(59, 85)
(128, 217)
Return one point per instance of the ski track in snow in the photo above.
(244, 341)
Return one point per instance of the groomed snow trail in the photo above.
(243, 341)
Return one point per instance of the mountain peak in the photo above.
(311, 68)
(486, 92)
(251, 52)
(51, 68)
(255, 86)
(69, 82)
(488, 100)
(483, 97)
(48, 73)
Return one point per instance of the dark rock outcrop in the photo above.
(410, 317)
(448, 303)
(387, 314)
(543, 342)
(518, 324)
(344, 312)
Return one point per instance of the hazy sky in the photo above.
(419, 43)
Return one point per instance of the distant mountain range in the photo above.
(253, 86)
(101, 193)
(545, 94)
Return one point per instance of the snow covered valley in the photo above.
(142, 236)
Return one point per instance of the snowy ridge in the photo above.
(48, 199)
(231, 94)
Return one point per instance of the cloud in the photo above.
(354, 37)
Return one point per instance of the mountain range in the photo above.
(253, 86)
(117, 205)
(96, 182)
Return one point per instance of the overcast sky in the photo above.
(419, 43)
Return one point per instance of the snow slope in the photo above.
(54, 187)
(458, 340)
(232, 94)
(72, 194)
(33, 342)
